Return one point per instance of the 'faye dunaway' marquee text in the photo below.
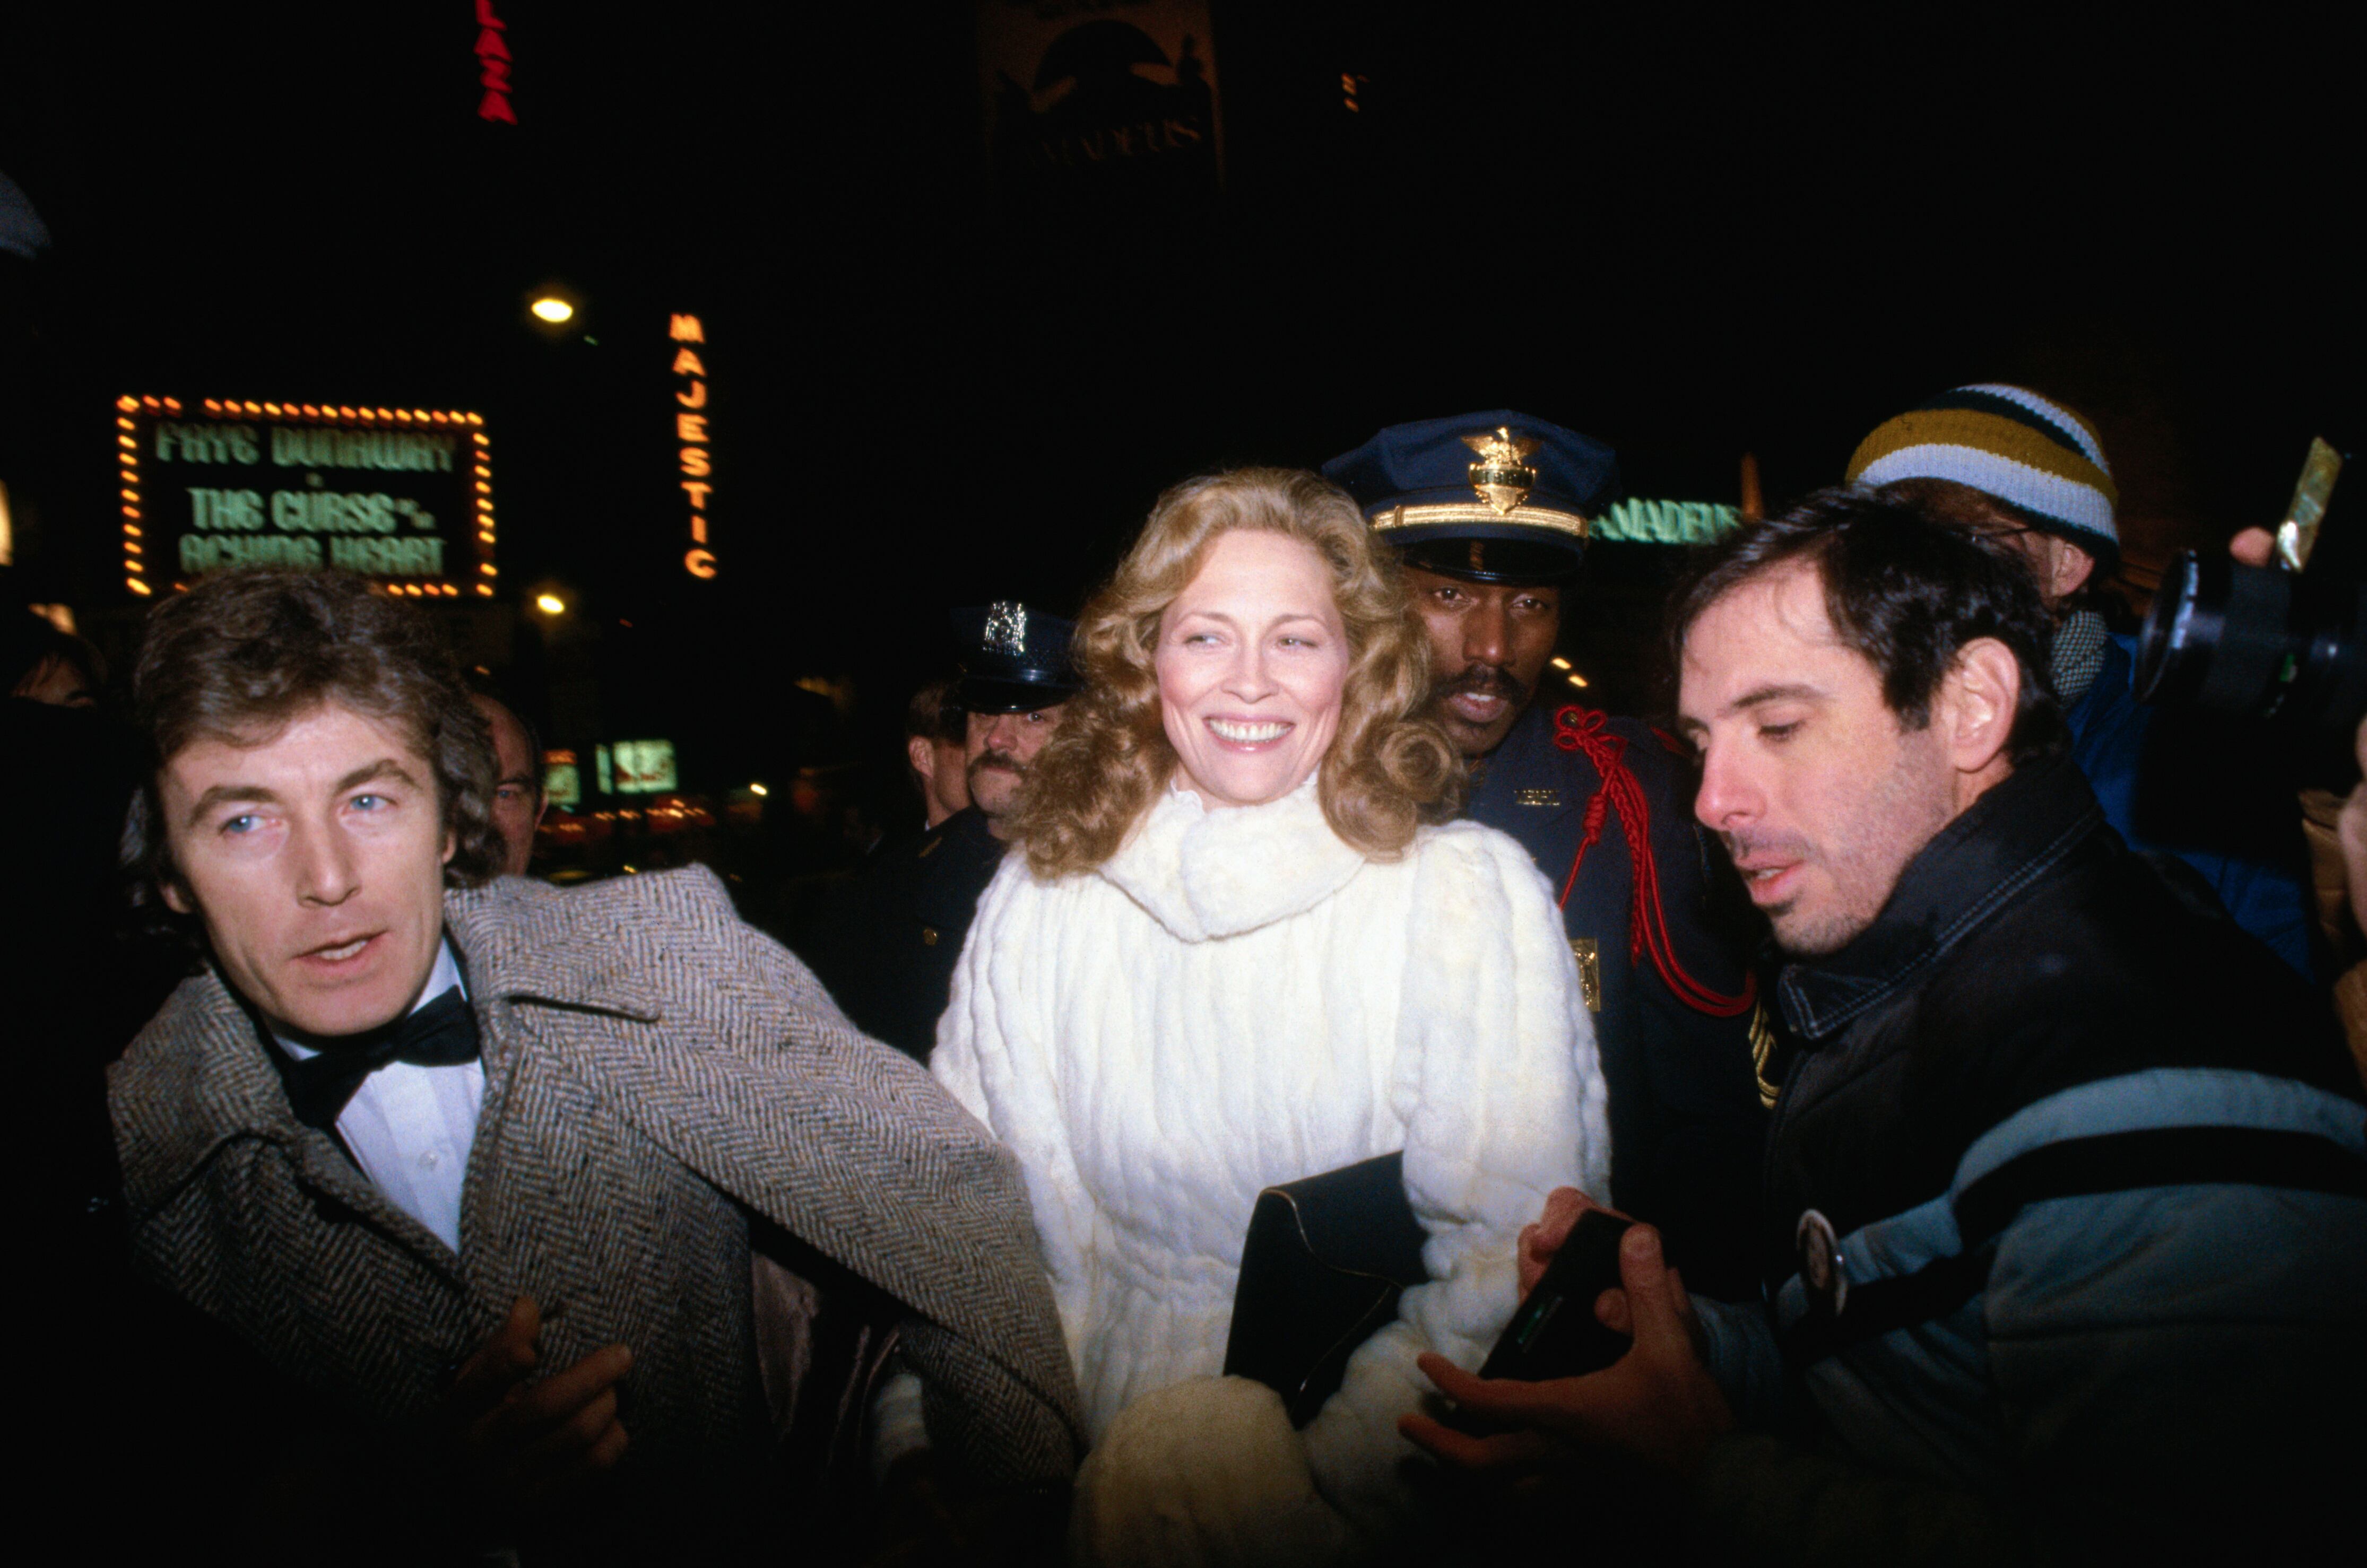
(237, 526)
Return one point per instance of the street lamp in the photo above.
(552, 309)
(550, 604)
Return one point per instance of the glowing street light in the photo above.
(550, 604)
(552, 309)
(759, 790)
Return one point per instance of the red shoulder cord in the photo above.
(1583, 729)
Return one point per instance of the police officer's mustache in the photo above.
(1485, 680)
(1003, 760)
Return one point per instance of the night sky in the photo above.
(1688, 237)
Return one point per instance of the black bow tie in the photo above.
(441, 1034)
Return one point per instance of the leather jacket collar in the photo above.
(1970, 869)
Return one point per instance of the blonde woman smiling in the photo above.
(1234, 952)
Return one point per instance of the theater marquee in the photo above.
(404, 496)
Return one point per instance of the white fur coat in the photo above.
(1239, 999)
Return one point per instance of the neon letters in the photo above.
(690, 429)
(493, 65)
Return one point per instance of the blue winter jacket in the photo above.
(2090, 1170)
(2187, 784)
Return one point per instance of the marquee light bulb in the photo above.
(552, 309)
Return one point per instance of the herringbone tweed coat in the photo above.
(652, 1065)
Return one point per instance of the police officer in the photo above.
(1488, 514)
(886, 950)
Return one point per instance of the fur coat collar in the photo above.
(1205, 874)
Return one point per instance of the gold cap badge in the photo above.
(1500, 476)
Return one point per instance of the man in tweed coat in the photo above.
(672, 1178)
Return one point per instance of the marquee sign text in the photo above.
(404, 496)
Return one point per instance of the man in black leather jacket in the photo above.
(2065, 1223)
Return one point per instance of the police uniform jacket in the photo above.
(1673, 1019)
(887, 949)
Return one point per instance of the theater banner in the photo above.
(1095, 107)
(404, 496)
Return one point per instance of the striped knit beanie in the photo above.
(2009, 443)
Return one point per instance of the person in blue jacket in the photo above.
(2005, 461)
(1488, 515)
(2065, 1213)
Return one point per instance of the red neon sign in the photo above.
(493, 65)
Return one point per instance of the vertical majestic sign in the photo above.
(690, 431)
(402, 496)
(493, 65)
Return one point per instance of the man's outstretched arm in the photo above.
(1749, 1493)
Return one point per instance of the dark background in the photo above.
(1687, 235)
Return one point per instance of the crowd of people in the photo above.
(1950, 1034)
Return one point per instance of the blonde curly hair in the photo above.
(1387, 770)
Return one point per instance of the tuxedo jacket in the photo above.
(684, 1145)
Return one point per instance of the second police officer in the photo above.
(1490, 513)
(887, 952)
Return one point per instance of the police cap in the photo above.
(1014, 659)
(1493, 497)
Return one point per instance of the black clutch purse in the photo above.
(1322, 1266)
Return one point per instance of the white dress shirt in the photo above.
(409, 1127)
